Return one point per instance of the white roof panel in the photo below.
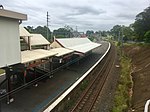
(61, 51)
(12, 14)
(23, 32)
(69, 42)
(84, 48)
(81, 45)
(38, 39)
(29, 56)
(35, 39)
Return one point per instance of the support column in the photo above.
(8, 74)
(0, 106)
(35, 76)
(24, 75)
(51, 66)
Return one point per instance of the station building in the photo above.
(24, 55)
(9, 44)
(9, 35)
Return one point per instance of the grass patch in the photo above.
(122, 99)
(1, 71)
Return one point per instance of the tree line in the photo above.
(137, 31)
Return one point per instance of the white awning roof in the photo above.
(84, 48)
(35, 39)
(81, 45)
(29, 56)
(23, 32)
(38, 39)
(61, 51)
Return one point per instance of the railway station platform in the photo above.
(33, 99)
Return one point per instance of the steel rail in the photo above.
(99, 78)
(103, 83)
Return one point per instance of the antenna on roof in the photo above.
(1, 7)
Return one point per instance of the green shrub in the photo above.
(122, 98)
(1, 71)
(147, 37)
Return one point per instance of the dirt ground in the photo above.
(140, 56)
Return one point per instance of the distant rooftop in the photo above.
(12, 14)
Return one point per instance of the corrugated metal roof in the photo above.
(61, 51)
(81, 45)
(23, 32)
(29, 56)
(13, 15)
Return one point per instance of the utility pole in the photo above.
(76, 31)
(48, 26)
(119, 37)
(121, 40)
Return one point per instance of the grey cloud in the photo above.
(94, 14)
(119, 3)
(80, 10)
(126, 15)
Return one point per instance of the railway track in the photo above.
(87, 101)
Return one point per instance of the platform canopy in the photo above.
(12, 14)
(38, 39)
(23, 32)
(33, 55)
(81, 45)
(35, 39)
(61, 51)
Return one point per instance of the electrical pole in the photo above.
(76, 31)
(48, 26)
(119, 37)
(121, 46)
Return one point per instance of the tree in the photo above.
(43, 31)
(104, 33)
(141, 24)
(30, 29)
(115, 31)
(89, 32)
(128, 33)
(62, 33)
(147, 37)
(68, 28)
(125, 32)
(40, 30)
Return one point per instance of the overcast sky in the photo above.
(85, 14)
